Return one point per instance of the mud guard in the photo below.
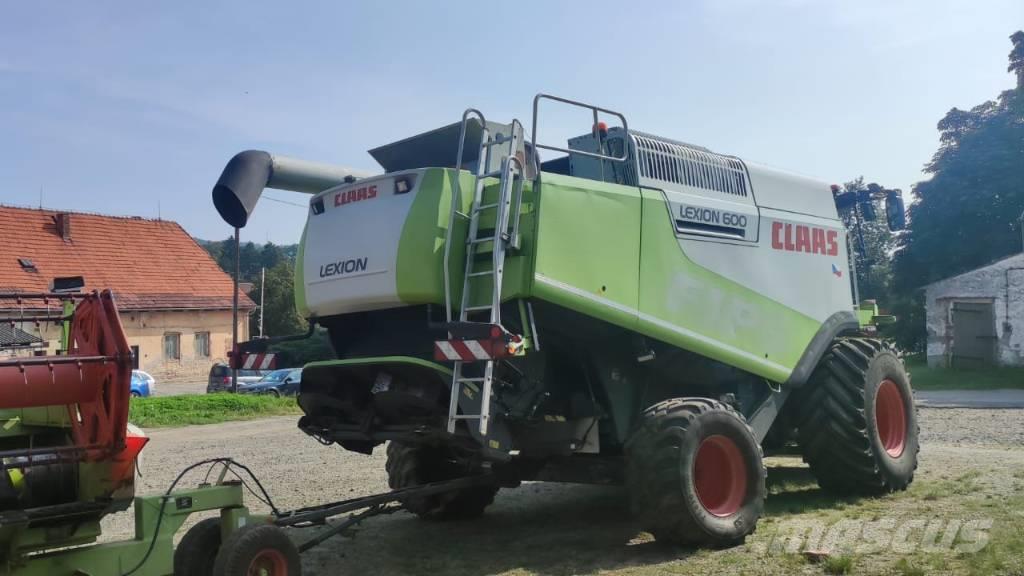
(836, 324)
(363, 372)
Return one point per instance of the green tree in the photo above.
(270, 255)
(966, 215)
(279, 315)
(224, 253)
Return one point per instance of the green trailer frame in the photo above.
(37, 552)
(149, 553)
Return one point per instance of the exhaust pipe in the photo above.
(249, 173)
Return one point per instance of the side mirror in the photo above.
(867, 210)
(867, 199)
(895, 212)
(287, 380)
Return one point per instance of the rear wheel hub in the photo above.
(891, 418)
(720, 475)
(268, 562)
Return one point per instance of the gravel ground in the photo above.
(298, 471)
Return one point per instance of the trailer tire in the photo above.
(409, 465)
(198, 549)
(695, 473)
(258, 549)
(857, 423)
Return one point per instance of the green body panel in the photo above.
(420, 263)
(381, 360)
(300, 278)
(605, 250)
(517, 275)
(588, 247)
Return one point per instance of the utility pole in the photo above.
(234, 319)
(263, 283)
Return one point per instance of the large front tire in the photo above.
(414, 465)
(695, 474)
(857, 425)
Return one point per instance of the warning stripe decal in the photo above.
(258, 362)
(466, 350)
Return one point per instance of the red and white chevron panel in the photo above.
(258, 361)
(469, 350)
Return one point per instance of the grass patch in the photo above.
(163, 411)
(924, 378)
(907, 568)
(837, 565)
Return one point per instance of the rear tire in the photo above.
(198, 548)
(414, 465)
(695, 474)
(857, 423)
(258, 549)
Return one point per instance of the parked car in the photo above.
(142, 384)
(220, 378)
(284, 382)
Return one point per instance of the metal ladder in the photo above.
(508, 205)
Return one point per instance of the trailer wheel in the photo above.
(198, 548)
(414, 465)
(695, 474)
(857, 422)
(261, 549)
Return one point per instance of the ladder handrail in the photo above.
(591, 107)
(517, 207)
(506, 190)
(456, 195)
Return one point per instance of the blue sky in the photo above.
(134, 107)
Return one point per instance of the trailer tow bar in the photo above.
(375, 505)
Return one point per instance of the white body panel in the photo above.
(791, 192)
(358, 274)
(821, 290)
(804, 241)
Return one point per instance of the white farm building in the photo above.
(977, 318)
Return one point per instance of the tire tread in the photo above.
(832, 427)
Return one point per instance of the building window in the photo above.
(202, 344)
(172, 346)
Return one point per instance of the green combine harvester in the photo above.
(631, 310)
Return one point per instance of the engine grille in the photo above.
(664, 161)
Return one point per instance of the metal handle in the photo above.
(595, 110)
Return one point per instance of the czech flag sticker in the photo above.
(837, 271)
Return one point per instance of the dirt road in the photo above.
(556, 529)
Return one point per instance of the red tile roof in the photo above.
(149, 264)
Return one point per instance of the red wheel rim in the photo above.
(268, 562)
(891, 418)
(720, 476)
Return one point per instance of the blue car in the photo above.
(283, 382)
(142, 384)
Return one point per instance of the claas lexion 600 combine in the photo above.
(632, 310)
